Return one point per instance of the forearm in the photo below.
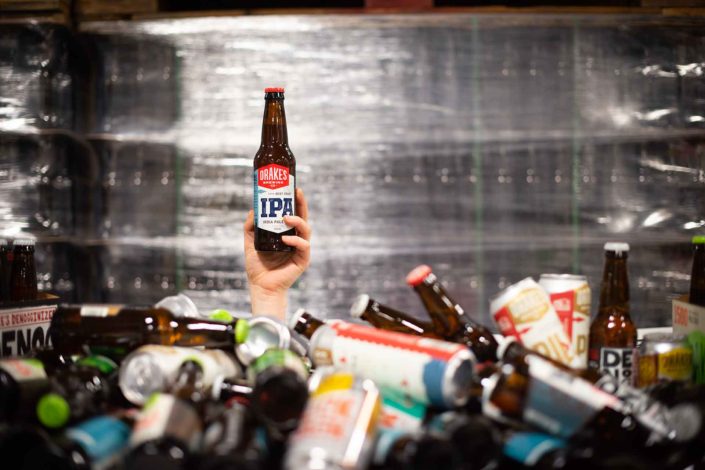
(266, 302)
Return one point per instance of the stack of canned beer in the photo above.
(144, 388)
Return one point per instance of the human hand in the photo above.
(271, 274)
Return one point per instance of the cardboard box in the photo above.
(687, 317)
(24, 326)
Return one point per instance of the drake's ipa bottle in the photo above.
(274, 177)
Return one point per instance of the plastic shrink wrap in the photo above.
(490, 147)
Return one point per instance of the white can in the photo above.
(524, 311)
(570, 296)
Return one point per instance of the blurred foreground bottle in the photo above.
(22, 383)
(115, 330)
(697, 275)
(339, 425)
(167, 433)
(450, 320)
(81, 390)
(612, 332)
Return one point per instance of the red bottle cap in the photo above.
(418, 274)
(274, 90)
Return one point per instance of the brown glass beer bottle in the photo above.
(5, 269)
(612, 332)
(448, 317)
(697, 275)
(274, 177)
(23, 281)
(387, 318)
(115, 331)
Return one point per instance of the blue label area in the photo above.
(433, 373)
(102, 437)
(529, 447)
(554, 411)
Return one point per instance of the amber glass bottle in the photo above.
(612, 332)
(274, 177)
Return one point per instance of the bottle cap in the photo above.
(53, 411)
(697, 240)
(359, 306)
(418, 274)
(222, 315)
(617, 247)
(242, 331)
(274, 90)
(24, 242)
(295, 318)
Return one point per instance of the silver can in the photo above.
(261, 334)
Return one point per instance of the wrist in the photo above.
(268, 302)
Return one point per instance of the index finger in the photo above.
(301, 205)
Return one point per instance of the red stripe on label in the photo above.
(440, 350)
(564, 304)
(506, 325)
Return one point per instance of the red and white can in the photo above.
(524, 311)
(570, 296)
(426, 370)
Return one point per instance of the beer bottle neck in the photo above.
(615, 285)
(307, 325)
(274, 123)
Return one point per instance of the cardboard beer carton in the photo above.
(24, 326)
(686, 316)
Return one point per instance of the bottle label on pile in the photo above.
(329, 421)
(274, 197)
(166, 415)
(414, 366)
(400, 413)
(614, 361)
(24, 369)
(105, 365)
(100, 310)
(559, 402)
(104, 439)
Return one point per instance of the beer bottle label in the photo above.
(104, 439)
(559, 402)
(617, 362)
(163, 416)
(274, 197)
(23, 369)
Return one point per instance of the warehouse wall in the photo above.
(490, 147)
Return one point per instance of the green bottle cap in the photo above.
(699, 239)
(221, 315)
(242, 331)
(53, 411)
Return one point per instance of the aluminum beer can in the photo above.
(427, 370)
(339, 426)
(153, 368)
(258, 334)
(524, 311)
(663, 357)
(570, 296)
